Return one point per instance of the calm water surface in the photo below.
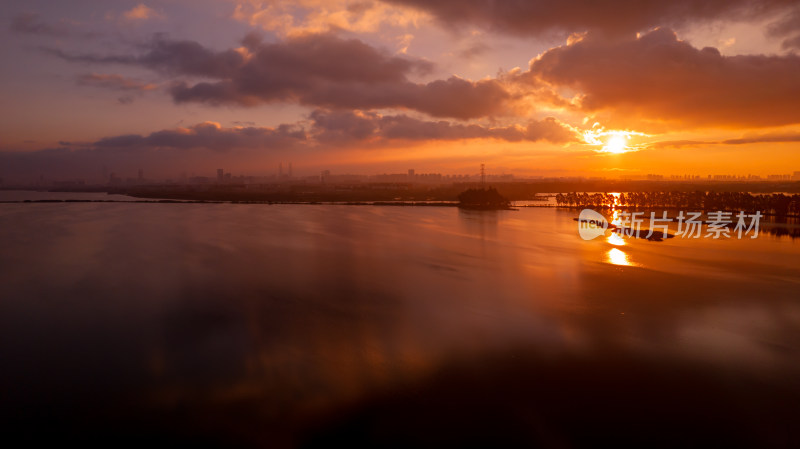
(291, 325)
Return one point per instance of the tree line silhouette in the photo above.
(776, 204)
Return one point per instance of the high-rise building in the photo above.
(411, 174)
(290, 169)
(220, 174)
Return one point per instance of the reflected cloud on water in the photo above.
(253, 318)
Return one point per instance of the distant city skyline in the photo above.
(412, 175)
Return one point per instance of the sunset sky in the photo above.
(571, 88)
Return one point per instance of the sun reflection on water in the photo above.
(615, 217)
(616, 199)
(616, 256)
(615, 239)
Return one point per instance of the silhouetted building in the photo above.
(220, 174)
(779, 177)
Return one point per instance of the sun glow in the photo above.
(618, 257)
(617, 144)
(612, 141)
(615, 239)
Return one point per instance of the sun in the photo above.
(616, 144)
(611, 141)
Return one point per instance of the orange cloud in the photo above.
(296, 17)
(142, 12)
(658, 78)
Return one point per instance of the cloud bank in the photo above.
(536, 17)
(660, 78)
(320, 70)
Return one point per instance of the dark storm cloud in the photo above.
(318, 70)
(534, 17)
(662, 79)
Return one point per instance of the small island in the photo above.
(483, 199)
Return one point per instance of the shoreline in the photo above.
(307, 203)
(345, 203)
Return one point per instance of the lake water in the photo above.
(302, 325)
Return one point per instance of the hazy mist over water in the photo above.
(273, 324)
